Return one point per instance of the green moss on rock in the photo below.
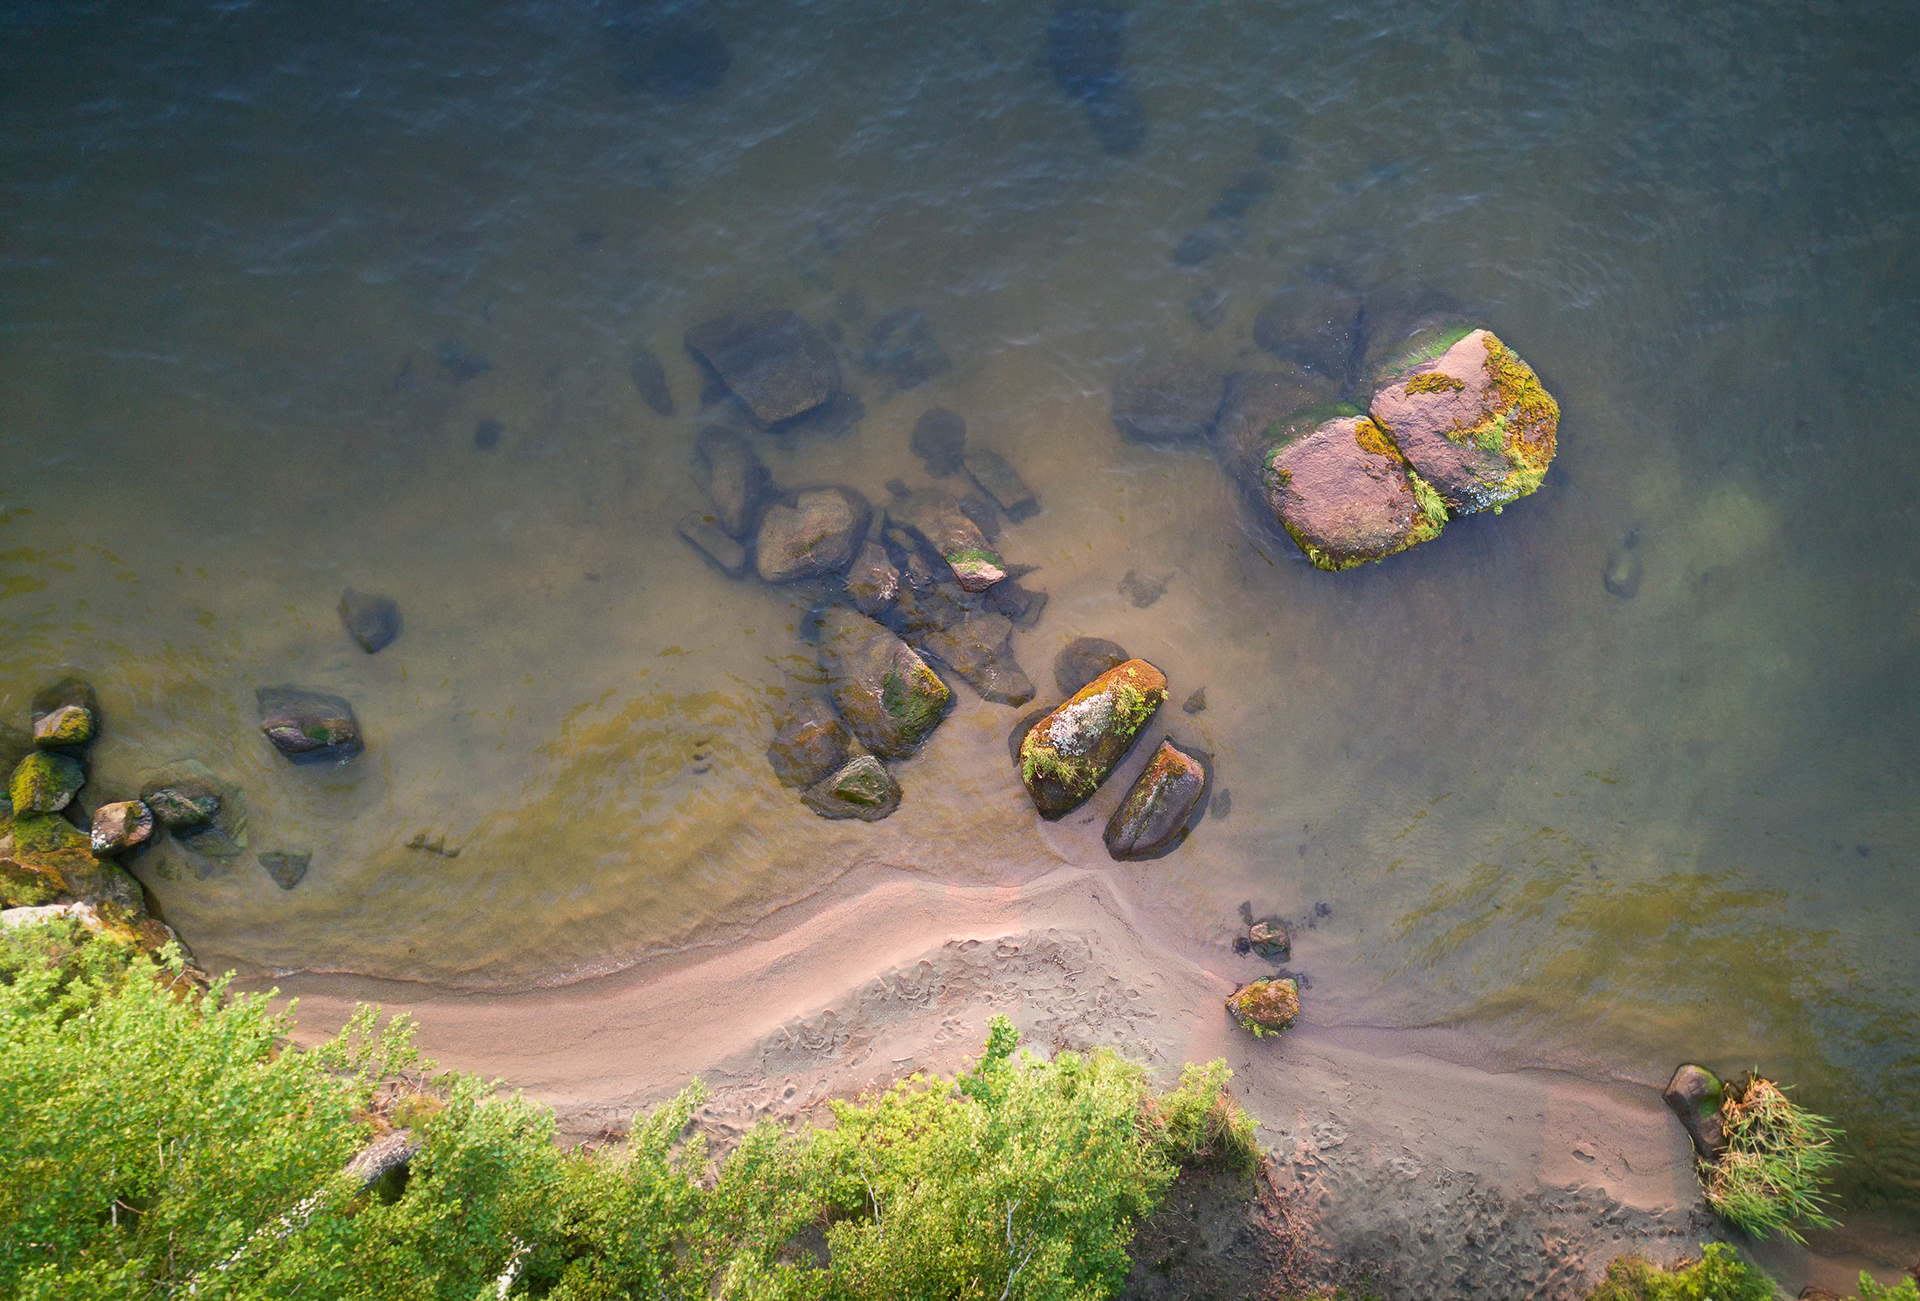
(45, 782)
(1071, 751)
(1266, 1006)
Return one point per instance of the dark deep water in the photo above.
(252, 257)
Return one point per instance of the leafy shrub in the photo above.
(1718, 1275)
(1771, 1175)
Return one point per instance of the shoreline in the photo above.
(1414, 1157)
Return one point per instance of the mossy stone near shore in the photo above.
(1266, 1006)
(1067, 754)
(44, 859)
(862, 788)
(1158, 809)
(68, 725)
(1345, 495)
(45, 782)
(886, 694)
(183, 794)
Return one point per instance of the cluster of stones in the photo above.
(1454, 422)
(919, 580)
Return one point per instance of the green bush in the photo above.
(1771, 1176)
(164, 1142)
(1718, 1275)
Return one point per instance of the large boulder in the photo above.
(1156, 813)
(1470, 417)
(861, 788)
(1695, 1094)
(1167, 398)
(936, 519)
(730, 472)
(978, 648)
(886, 693)
(1083, 659)
(1266, 1006)
(811, 534)
(371, 620)
(309, 726)
(1256, 402)
(1314, 322)
(45, 782)
(774, 362)
(1071, 751)
(1343, 492)
(809, 745)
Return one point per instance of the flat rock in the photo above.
(650, 379)
(183, 794)
(1167, 397)
(703, 533)
(979, 650)
(1695, 1094)
(886, 694)
(45, 782)
(811, 534)
(774, 362)
(1266, 1006)
(936, 519)
(862, 788)
(1083, 659)
(873, 580)
(1156, 812)
(1471, 419)
(1000, 481)
(371, 620)
(733, 477)
(940, 440)
(1314, 322)
(286, 869)
(901, 346)
(1255, 402)
(309, 726)
(1071, 751)
(809, 745)
(120, 826)
(64, 711)
(1197, 702)
(1345, 496)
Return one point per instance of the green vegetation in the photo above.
(1432, 507)
(1718, 1275)
(165, 1142)
(1433, 381)
(1774, 1169)
(916, 705)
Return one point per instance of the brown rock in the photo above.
(730, 472)
(936, 518)
(1083, 659)
(309, 726)
(862, 788)
(1695, 1094)
(979, 651)
(774, 362)
(704, 534)
(1072, 750)
(810, 744)
(119, 827)
(1343, 493)
(1155, 814)
(890, 699)
(811, 534)
(873, 582)
(53, 718)
(1000, 481)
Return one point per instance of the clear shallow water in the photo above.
(1610, 832)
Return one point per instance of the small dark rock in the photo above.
(732, 474)
(1164, 398)
(704, 534)
(373, 621)
(1197, 702)
(1086, 41)
(650, 378)
(1268, 937)
(810, 744)
(1622, 574)
(286, 869)
(873, 583)
(183, 794)
(862, 789)
(979, 651)
(486, 434)
(1194, 248)
(309, 726)
(940, 440)
(811, 534)
(1143, 592)
(774, 362)
(1241, 944)
(897, 489)
(1020, 604)
(1155, 814)
(1695, 1094)
(1000, 481)
(901, 346)
(937, 520)
(1083, 659)
(461, 362)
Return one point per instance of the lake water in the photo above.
(241, 243)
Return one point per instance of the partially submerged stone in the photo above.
(309, 726)
(936, 518)
(1315, 323)
(370, 619)
(774, 362)
(69, 725)
(731, 473)
(183, 794)
(704, 534)
(68, 693)
(1023, 605)
(873, 580)
(1266, 1006)
(1471, 419)
(1071, 751)
(861, 788)
(979, 650)
(1345, 495)
(120, 826)
(1695, 1094)
(809, 745)
(45, 782)
(1000, 481)
(650, 381)
(286, 869)
(1156, 812)
(1167, 398)
(811, 534)
(1083, 659)
(1268, 937)
(885, 692)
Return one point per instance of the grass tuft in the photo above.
(1774, 1171)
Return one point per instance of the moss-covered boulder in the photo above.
(811, 534)
(885, 692)
(1344, 493)
(1470, 417)
(1266, 1006)
(309, 726)
(1158, 810)
(809, 745)
(45, 782)
(183, 794)
(935, 518)
(65, 714)
(105, 922)
(778, 366)
(1071, 751)
(120, 826)
(861, 788)
(44, 859)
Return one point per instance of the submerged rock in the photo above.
(65, 714)
(811, 534)
(1117, 117)
(1167, 398)
(120, 826)
(1621, 577)
(979, 650)
(731, 473)
(940, 440)
(1085, 43)
(309, 726)
(862, 788)
(668, 54)
(901, 346)
(810, 745)
(1345, 495)
(1197, 702)
(936, 518)
(1142, 592)
(461, 362)
(45, 782)
(873, 581)
(1470, 417)
(704, 534)
(1314, 322)
(1695, 1094)
(650, 378)
(886, 693)
(1071, 751)
(774, 362)
(183, 794)
(1083, 659)
(1021, 604)
(1156, 813)
(373, 621)
(1000, 481)
(1256, 402)
(1266, 1006)
(286, 869)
